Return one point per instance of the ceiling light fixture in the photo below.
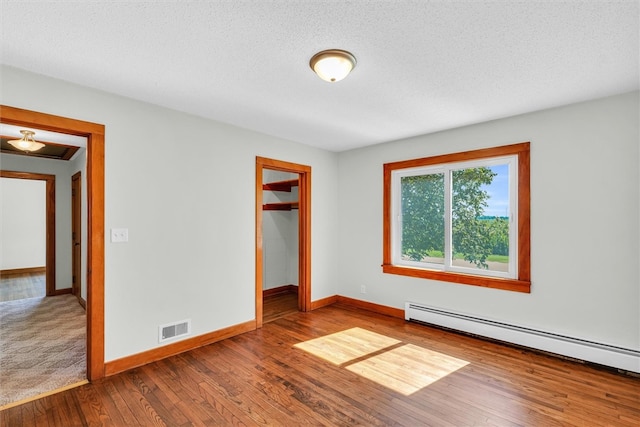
(27, 143)
(332, 65)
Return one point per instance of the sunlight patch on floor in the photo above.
(342, 347)
(407, 369)
(404, 368)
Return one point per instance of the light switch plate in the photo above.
(119, 235)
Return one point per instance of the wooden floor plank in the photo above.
(254, 378)
(263, 378)
(279, 305)
(316, 368)
(240, 388)
(182, 392)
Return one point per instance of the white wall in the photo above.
(190, 211)
(584, 222)
(279, 235)
(23, 226)
(62, 171)
(190, 215)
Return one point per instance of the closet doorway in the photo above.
(283, 213)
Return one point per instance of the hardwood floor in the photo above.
(344, 366)
(20, 286)
(279, 305)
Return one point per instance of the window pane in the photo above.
(423, 218)
(480, 218)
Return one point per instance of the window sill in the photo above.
(463, 279)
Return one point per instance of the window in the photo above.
(460, 217)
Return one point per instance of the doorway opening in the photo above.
(95, 218)
(76, 237)
(291, 180)
(49, 235)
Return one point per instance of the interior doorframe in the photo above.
(76, 236)
(50, 234)
(304, 231)
(94, 133)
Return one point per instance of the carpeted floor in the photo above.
(42, 346)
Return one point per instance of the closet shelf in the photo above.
(280, 185)
(282, 206)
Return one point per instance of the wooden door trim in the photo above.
(94, 133)
(50, 234)
(304, 231)
(76, 226)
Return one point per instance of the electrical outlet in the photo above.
(363, 289)
(119, 235)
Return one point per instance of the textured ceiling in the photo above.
(423, 66)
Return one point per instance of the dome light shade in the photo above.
(26, 143)
(332, 65)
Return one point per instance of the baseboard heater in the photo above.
(603, 354)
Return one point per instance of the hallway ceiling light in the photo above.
(332, 65)
(26, 143)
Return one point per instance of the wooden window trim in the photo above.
(523, 281)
